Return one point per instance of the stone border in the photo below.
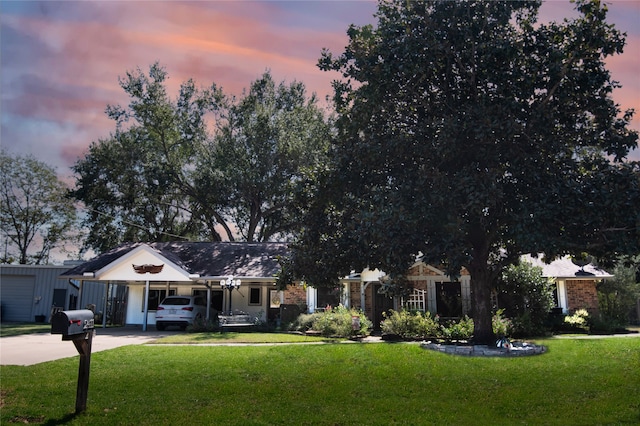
(513, 349)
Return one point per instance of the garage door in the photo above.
(17, 298)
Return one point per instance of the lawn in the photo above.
(15, 328)
(581, 382)
(241, 337)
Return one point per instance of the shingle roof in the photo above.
(207, 259)
(565, 268)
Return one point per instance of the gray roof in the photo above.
(565, 268)
(207, 259)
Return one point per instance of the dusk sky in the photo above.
(60, 61)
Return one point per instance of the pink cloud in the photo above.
(65, 69)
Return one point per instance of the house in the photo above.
(575, 285)
(190, 268)
(434, 291)
(198, 268)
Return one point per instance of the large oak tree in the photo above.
(135, 183)
(470, 133)
(206, 166)
(264, 143)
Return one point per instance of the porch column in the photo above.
(146, 270)
(207, 284)
(146, 306)
(106, 303)
(80, 295)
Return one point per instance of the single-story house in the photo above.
(197, 268)
(575, 285)
(434, 291)
(191, 268)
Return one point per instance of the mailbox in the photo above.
(72, 323)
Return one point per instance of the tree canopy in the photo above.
(34, 210)
(470, 133)
(203, 167)
(265, 142)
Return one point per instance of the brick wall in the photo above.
(354, 294)
(295, 295)
(582, 294)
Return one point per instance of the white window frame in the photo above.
(416, 301)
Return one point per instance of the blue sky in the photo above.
(60, 61)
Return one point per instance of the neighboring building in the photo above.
(29, 292)
(575, 285)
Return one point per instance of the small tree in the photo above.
(34, 209)
(526, 297)
(617, 297)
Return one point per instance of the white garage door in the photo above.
(17, 298)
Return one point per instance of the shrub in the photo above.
(337, 322)
(578, 321)
(502, 327)
(526, 297)
(304, 322)
(617, 298)
(202, 325)
(417, 325)
(603, 324)
(458, 330)
(411, 325)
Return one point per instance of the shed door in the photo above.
(17, 298)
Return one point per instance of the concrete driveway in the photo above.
(29, 349)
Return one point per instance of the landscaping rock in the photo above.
(513, 349)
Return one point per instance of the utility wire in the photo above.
(135, 225)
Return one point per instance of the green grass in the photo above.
(240, 337)
(578, 382)
(16, 328)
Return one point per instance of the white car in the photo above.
(180, 311)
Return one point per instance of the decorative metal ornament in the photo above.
(148, 268)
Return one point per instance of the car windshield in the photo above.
(176, 301)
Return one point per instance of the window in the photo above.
(328, 296)
(155, 297)
(556, 299)
(255, 296)
(274, 298)
(416, 300)
(449, 299)
(216, 298)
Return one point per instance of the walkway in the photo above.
(29, 349)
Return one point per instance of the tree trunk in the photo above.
(481, 297)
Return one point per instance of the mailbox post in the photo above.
(77, 326)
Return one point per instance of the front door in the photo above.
(381, 304)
